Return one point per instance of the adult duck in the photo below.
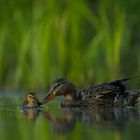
(109, 94)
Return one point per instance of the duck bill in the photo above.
(48, 98)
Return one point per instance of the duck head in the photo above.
(61, 87)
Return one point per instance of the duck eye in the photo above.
(58, 85)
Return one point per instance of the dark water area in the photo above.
(53, 122)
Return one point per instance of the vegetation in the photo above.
(85, 41)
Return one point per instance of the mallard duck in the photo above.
(31, 101)
(107, 94)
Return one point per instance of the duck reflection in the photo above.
(64, 124)
(68, 119)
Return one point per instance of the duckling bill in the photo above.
(107, 94)
(31, 101)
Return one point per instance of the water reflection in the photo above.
(31, 114)
(64, 124)
(68, 119)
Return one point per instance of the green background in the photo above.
(85, 41)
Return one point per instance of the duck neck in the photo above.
(70, 97)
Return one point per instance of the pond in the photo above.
(53, 122)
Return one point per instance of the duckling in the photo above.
(31, 101)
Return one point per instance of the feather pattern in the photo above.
(106, 94)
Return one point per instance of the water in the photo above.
(52, 122)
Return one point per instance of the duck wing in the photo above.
(106, 91)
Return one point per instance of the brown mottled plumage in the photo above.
(109, 94)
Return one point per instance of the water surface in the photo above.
(53, 122)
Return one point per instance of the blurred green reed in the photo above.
(84, 41)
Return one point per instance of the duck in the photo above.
(108, 94)
(31, 101)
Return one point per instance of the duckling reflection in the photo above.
(105, 117)
(31, 114)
